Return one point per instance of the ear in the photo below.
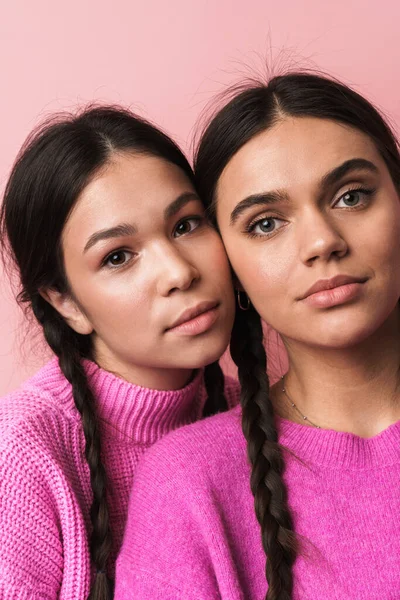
(69, 310)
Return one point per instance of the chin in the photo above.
(205, 355)
(341, 342)
(345, 336)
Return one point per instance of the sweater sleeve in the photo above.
(31, 553)
(165, 553)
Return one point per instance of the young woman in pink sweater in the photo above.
(132, 288)
(302, 176)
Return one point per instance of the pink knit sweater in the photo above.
(45, 492)
(192, 532)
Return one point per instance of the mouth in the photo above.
(324, 285)
(196, 319)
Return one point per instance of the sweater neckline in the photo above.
(339, 449)
(127, 411)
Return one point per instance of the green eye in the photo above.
(355, 198)
(351, 198)
(266, 225)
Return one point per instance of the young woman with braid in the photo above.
(133, 290)
(302, 176)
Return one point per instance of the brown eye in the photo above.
(118, 258)
(187, 226)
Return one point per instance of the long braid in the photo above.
(214, 382)
(53, 168)
(265, 455)
(70, 348)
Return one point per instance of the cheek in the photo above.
(262, 270)
(114, 304)
(211, 257)
(379, 241)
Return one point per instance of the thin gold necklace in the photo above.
(296, 407)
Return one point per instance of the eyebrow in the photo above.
(354, 164)
(257, 200)
(126, 229)
(179, 203)
(273, 197)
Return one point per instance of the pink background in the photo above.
(166, 60)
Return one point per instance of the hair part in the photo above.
(53, 168)
(257, 108)
(251, 110)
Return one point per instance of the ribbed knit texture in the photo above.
(45, 492)
(192, 531)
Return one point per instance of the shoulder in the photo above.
(40, 446)
(32, 487)
(37, 416)
(202, 450)
(179, 492)
(46, 392)
(224, 429)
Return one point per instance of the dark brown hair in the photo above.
(53, 168)
(252, 110)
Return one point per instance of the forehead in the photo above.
(130, 188)
(132, 180)
(294, 152)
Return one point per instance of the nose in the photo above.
(320, 239)
(175, 271)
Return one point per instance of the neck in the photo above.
(147, 377)
(356, 389)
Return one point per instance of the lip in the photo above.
(329, 284)
(190, 314)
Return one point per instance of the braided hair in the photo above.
(53, 168)
(265, 455)
(69, 347)
(250, 110)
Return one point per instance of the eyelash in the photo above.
(199, 220)
(249, 230)
(368, 192)
(108, 257)
(105, 262)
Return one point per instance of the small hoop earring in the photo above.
(239, 299)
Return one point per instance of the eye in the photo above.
(187, 226)
(353, 198)
(265, 226)
(117, 258)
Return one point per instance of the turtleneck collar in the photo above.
(128, 411)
